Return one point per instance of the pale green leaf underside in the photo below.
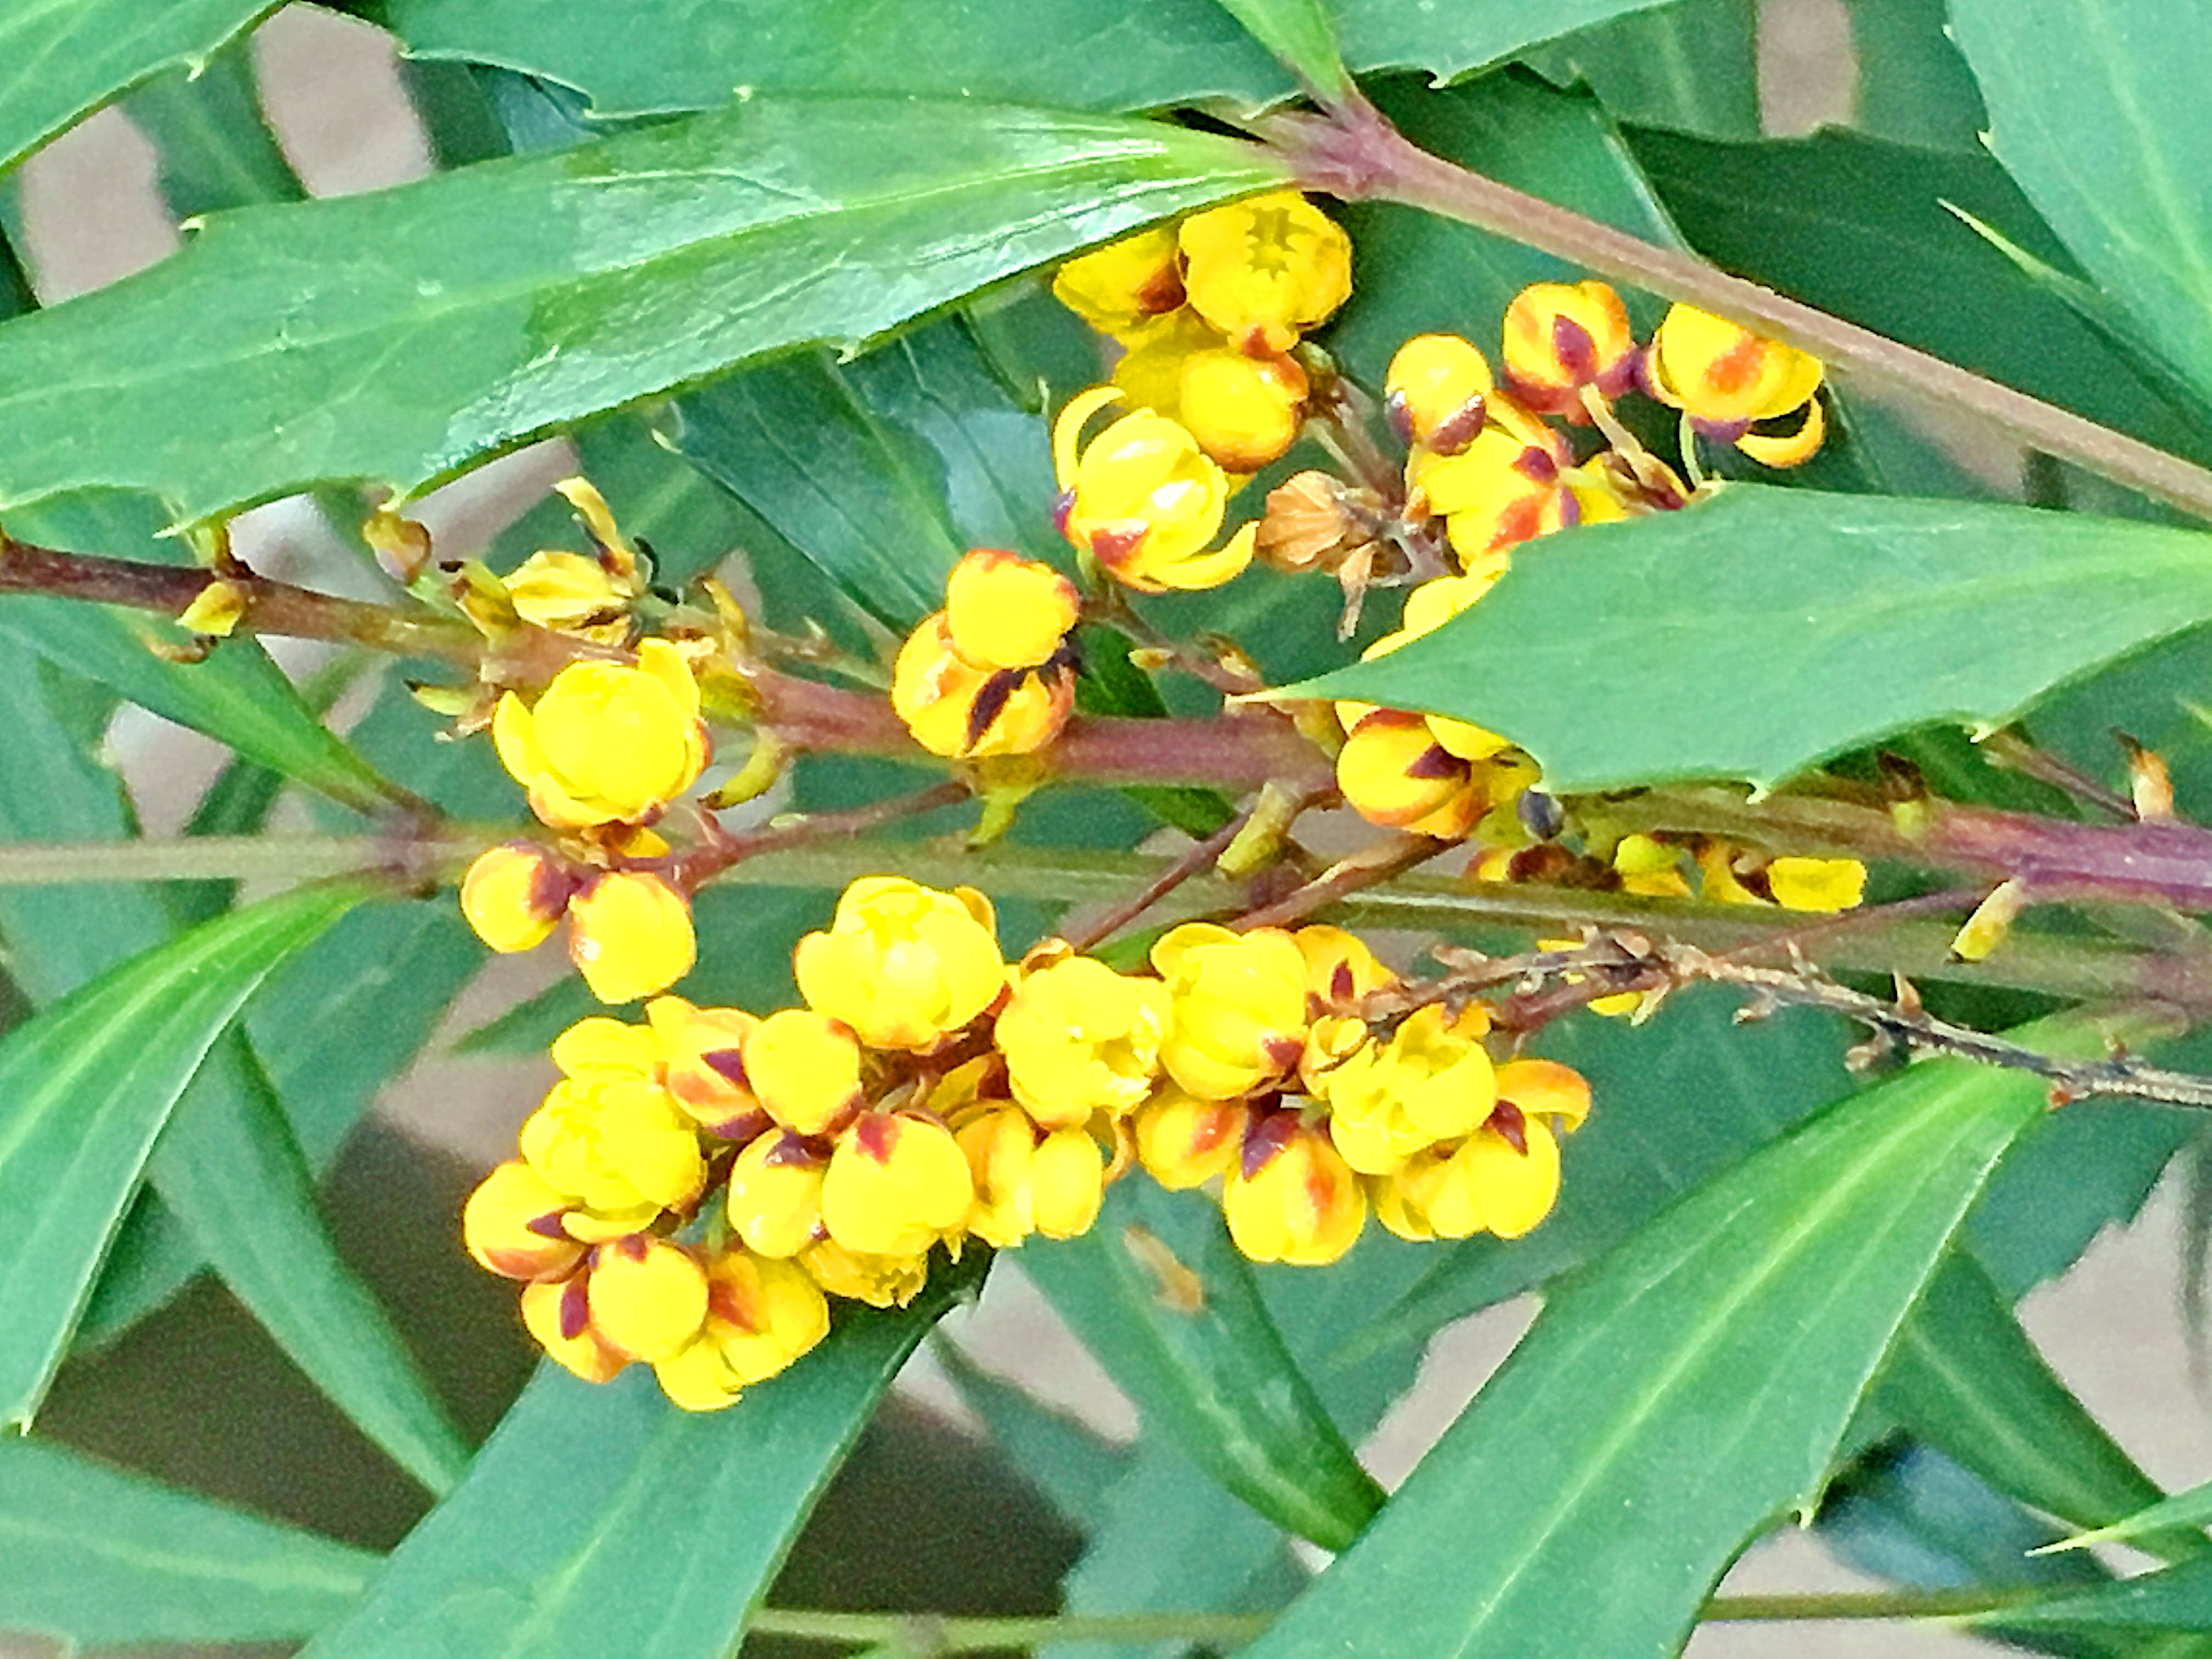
(633, 57)
(2096, 107)
(97, 1556)
(1711, 1363)
(85, 1087)
(62, 59)
(1756, 634)
(397, 335)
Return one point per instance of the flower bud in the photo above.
(571, 593)
(903, 965)
(1437, 393)
(514, 896)
(1292, 1198)
(1078, 1037)
(1497, 493)
(1183, 1141)
(897, 1185)
(1238, 1019)
(805, 1069)
(1002, 610)
(956, 709)
(630, 935)
(622, 1146)
(1244, 412)
(881, 1281)
(1029, 1180)
(606, 743)
(1143, 500)
(1265, 270)
(647, 1298)
(1118, 288)
(1431, 1082)
(558, 1314)
(775, 1193)
(1562, 336)
(1394, 773)
(512, 1226)
(1821, 885)
(705, 1065)
(1725, 378)
(761, 1317)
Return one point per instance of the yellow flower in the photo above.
(1078, 1037)
(1183, 1141)
(1437, 393)
(1265, 270)
(559, 1316)
(621, 1146)
(647, 1297)
(1428, 607)
(572, 593)
(1394, 772)
(1822, 884)
(775, 1193)
(1499, 491)
(1151, 370)
(514, 896)
(903, 965)
(1237, 1019)
(704, 1064)
(1143, 500)
(1030, 1180)
(881, 1281)
(1244, 412)
(1292, 1198)
(606, 743)
(1503, 1177)
(804, 1067)
(761, 1317)
(1118, 288)
(1652, 869)
(897, 1185)
(1002, 610)
(1562, 336)
(630, 935)
(1431, 1082)
(512, 1224)
(961, 712)
(1726, 377)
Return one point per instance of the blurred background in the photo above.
(927, 1515)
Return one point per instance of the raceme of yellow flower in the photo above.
(1238, 1008)
(1265, 270)
(1437, 393)
(1143, 500)
(606, 743)
(1562, 337)
(1079, 1038)
(903, 965)
(1726, 378)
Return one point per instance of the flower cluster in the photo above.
(697, 1185)
(994, 672)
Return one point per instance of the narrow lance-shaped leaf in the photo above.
(1161, 1296)
(395, 336)
(1752, 636)
(601, 1521)
(85, 1087)
(66, 58)
(97, 1556)
(2177, 1601)
(1299, 33)
(1776, 1289)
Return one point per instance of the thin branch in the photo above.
(1193, 861)
(1366, 868)
(934, 1636)
(1356, 153)
(1864, 1604)
(723, 851)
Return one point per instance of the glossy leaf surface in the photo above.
(1776, 1288)
(87, 1085)
(1299, 33)
(97, 1556)
(564, 1539)
(397, 336)
(1771, 628)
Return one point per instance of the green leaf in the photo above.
(1965, 1377)
(66, 58)
(85, 1087)
(1299, 34)
(2093, 109)
(97, 1556)
(1676, 1103)
(397, 335)
(606, 1521)
(2177, 1601)
(1775, 628)
(1867, 229)
(228, 1169)
(1072, 1466)
(1166, 1304)
(1692, 65)
(215, 149)
(639, 56)
(2191, 1509)
(1913, 85)
(1776, 1289)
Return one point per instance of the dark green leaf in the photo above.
(1775, 628)
(1202, 1359)
(1864, 228)
(87, 1085)
(2192, 1508)
(1070, 1465)
(66, 58)
(2095, 110)
(1965, 1378)
(228, 1169)
(1776, 1288)
(606, 1521)
(1692, 65)
(215, 150)
(1675, 1103)
(637, 56)
(1913, 86)
(1299, 34)
(399, 335)
(97, 1556)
